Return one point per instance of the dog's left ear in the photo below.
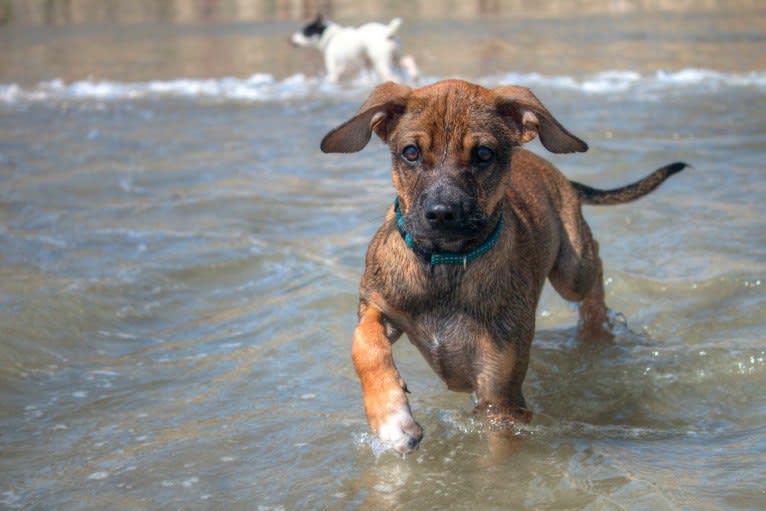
(531, 118)
(379, 113)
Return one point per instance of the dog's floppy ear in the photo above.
(380, 113)
(531, 118)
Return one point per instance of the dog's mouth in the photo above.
(457, 236)
(444, 219)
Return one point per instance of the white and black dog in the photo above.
(348, 50)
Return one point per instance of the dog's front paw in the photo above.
(400, 431)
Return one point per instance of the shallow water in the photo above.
(179, 266)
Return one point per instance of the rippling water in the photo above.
(179, 267)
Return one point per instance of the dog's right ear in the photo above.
(380, 113)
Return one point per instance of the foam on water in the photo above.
(262, 87)
(616, 81)
(259, 87)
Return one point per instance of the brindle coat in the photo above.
(458, 168)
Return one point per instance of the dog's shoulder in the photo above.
(389, 263)
(537, 188)
(386, 248)
(532, 173)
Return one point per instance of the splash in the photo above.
(373, 442)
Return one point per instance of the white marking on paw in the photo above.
(400, 431)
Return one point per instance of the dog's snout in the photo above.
(441, 214)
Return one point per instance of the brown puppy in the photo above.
(461, 258)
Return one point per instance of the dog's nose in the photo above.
(440, 214)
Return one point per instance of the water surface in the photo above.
(179, 265)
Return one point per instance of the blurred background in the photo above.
(164, 39)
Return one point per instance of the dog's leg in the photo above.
(382, 60)
(407, 63)
(385, 401)
(501, 404)
(594, 314)
(578, 277)
(384, 72)
(334, 69)
(498, 385)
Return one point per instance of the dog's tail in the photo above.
(631, 192)
(393, 27)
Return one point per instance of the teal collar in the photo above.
(447, 257)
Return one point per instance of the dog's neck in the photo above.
(436, 258)
(329, 32)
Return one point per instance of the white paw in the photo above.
(400, 431)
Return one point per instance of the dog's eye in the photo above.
(484, 155)
(411, 154)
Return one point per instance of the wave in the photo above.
(258, 87)
(264, 87)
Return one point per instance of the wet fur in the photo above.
(473, 323)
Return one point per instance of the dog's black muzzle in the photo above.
(445, 214)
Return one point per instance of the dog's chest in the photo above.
(457, 315)
(449, 328)
(447, 340)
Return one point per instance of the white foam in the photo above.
(611, 81)
(262, 87)
(620, 81)
(373, 442)
(258, 87)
